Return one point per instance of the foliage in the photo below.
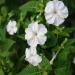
(12, 48)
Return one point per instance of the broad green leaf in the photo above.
(30, 70)
(63, 71)
(7, 44)
(63, 58)
(29, 6)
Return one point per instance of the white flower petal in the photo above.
(34, 60)
(42, 30)
(29, 33)
(27, 53)
(11, 33)
(34, 26)
(37, 60)
(58, 20)
(42, 39)
(60, 5)
(33, 42)
(30, 51)
(48, 15)
(63, 13)
(49, 7)
(13, 23)
(33, 50)
(15, 29)
(51, 20)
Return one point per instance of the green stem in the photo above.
(59, 49)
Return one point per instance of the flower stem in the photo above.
(61, 47)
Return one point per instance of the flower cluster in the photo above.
(35, 34)
(55, 13)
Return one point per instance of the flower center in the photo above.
(55, 12)
(12, 27)
(34, 34)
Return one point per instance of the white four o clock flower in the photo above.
(55, 12)
(32, 57)
(35, 34)
(11, 27)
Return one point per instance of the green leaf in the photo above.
(45, 65)
(2, 2)
(70, 49)
(69, 30)
(63, 58)
(1, 72)
(38, 70)
(70, 42)
(30, 70)
(51, 40)
(7, 44)
(4, 11)
(2, 34)
(63, 71)
(29, 6)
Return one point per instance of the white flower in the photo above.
(11, 27)
(55, 12)
(35, 34)
(32, 57)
